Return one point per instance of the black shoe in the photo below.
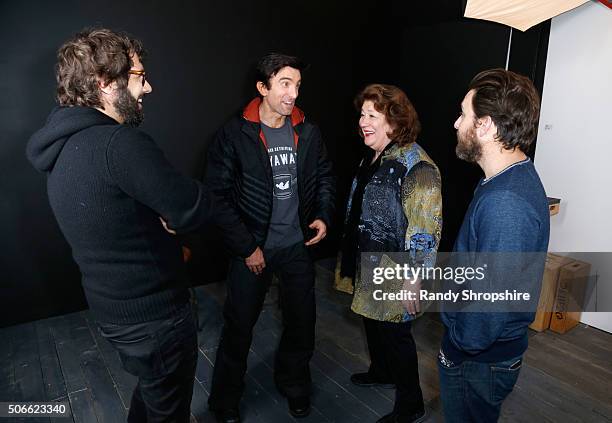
(228, 415)
(364, 379)
(394, 417)
(299, 406)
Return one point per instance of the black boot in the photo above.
(394, 417)
(364, 379)
(299, 407)
(228, 415)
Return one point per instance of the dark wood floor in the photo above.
(565, 378)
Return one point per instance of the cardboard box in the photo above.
(569, 300)
(550, 280)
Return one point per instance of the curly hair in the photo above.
(397, 108)
(89, 56)
(512, 102)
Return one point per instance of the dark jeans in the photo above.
(393, 359)
(163, 355)
(474, 392)
(245, 296)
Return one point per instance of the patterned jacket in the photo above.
(401, 212)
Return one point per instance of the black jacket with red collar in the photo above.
(239, 173)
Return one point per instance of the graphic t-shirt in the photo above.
(285, 223)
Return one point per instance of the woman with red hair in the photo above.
(395, 205)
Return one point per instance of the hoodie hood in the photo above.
(45, 146)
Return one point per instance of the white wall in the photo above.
(574, 147)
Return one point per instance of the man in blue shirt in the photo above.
(481, 353)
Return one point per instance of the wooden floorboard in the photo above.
(9, 390)
(372, 399)
(261, 370)
(82, 406)
(559, 358)
(199, 404)
(91, 392)
(53, 380)
(258, 404)
(25, 381)
(28, 373)
(72, 338)
(124, 382)
(565, 378)
(204, 369)
(347, 407)
(350, 363)
(107, 403)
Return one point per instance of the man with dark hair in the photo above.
(116, 198)
(270, 171)
(481, 352)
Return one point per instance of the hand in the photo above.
(413, 307)
(165, 225)
(255, 262)
(321, 228)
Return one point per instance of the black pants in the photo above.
(393, 359)
(163, 355)
(245, 296)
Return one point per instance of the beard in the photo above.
(128, 108)
(468, 148)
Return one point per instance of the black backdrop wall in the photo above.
(201, 55)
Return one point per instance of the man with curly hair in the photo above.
(116, 198)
